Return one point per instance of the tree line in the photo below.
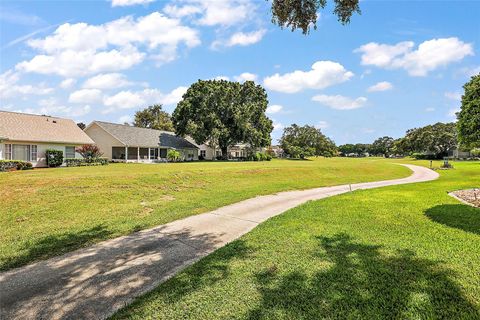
(433, 141)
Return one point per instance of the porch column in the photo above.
(126, 153)
(138, 154)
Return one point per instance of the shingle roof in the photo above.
(29, 127)
(143, 137)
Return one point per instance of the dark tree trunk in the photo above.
(224, 152)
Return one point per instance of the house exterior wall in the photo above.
(209, 152)
(103, 140)
(40, 161)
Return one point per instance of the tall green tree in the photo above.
(304, 141)
(468, 124)
(382, 146)
(153, 117)
(302, 14)
(223, 113)
(436, 139)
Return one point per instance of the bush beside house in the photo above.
(78, 162)
(6, 165)
(54, 157)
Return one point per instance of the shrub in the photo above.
(78, 162)
(173, 155)
(200, 157)
(475, 152)
(54, 157)
(6, 165)
(89, 152)
(23, 165)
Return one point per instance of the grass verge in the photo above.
(400, 252)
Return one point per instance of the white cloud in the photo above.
(322, 125)
(323, 74)
(274, 108)
(125, 119)
(10, 88)
(456, 96)
(174, 96)
(51, 106)
(380, 86)
(245, 39)
(136, 99)
(70, 63)
(246, 76)
(67, 83)
(339, 102)
(107, 81)
(429, 55)
(383, 55)
(86, 96)
(213, 12)
(124, 3)
(81, 49)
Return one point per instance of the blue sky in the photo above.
(399, 65)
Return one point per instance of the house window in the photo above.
(203, 153)
(20, 152)
(8, 152)
(33, 152)
(69, 152)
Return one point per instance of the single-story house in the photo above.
(124, 143)
(236, 151)
(26, 137)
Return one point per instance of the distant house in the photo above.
(26, 137)
(236, 151)
(124, 143)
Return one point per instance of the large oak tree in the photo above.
(304, 141)
(223, 113)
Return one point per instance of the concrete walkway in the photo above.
(93, 283)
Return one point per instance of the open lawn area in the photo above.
(47, 212)
(400, 252)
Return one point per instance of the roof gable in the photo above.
(144, 137)
(29, 127)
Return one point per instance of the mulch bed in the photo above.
(471, 196)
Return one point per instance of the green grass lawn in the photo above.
(400, 252)
(46, 212)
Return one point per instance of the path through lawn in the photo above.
(50, 211)
(401, 252)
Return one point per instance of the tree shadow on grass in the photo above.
(206, 272)
(359, 282)
(51, 245)
(459, 216)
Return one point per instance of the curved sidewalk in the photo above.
(94, 282)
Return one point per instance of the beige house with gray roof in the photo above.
(26, 137)
(124, 143)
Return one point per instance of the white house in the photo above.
(236, 151)
(26, 137)
(124, 143)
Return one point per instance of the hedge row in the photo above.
(80, 162)
(14, 164)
